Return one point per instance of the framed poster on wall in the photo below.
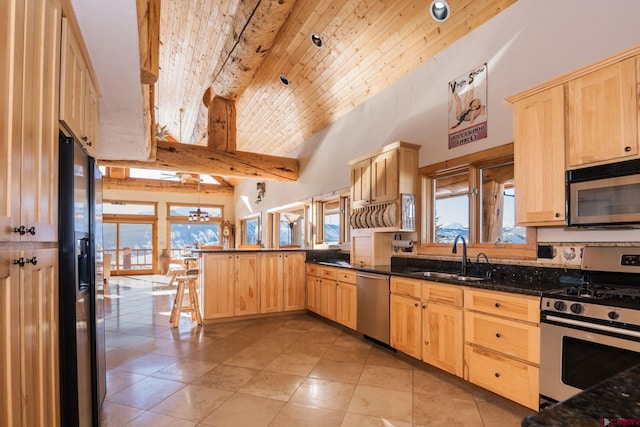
(468, 107)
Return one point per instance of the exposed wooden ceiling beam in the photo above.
(178, 157)
(148, 39)
(156, 185)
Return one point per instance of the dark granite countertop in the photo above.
(615, 401)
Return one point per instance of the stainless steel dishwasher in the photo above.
(373, 305)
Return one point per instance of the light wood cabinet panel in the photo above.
(443, 294)
(406, 325)
(347, 305)
(294, 281)
(509, 337)
(247, 297)
(539, 159)
(442, 337)
(361, 183)
(10, 370)
(271, 282)
(510, 378)
(602, 115)
(328, 298)
(519, 307)
(90, 138)
(407, 287)
(217, 286)
(384, 177)
(314, 292)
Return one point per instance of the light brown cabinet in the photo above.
(282, 279)
(78, 97)
(602, 115)
(347, 298)
(405, 316)
(294, 281)
(246, 284)
(29, 335)
(332, 293)
(502, 344)
(217, 285)
(328, 292)
(313, 288)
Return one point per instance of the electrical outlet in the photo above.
(545, 252)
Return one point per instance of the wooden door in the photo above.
(10, 369)
(294, 294)
(328, 295)
(247, 300)
(90, 138)
(406, 325)
(384, 177)
(217, 286)
(11, 75)
(442, 339)
(602, 115)
(271, 282)
(39, 337)
(539, 159)
(347, 304)
(72, 83)
(361, 183)
(313, 294)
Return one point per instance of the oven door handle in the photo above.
(597, 326)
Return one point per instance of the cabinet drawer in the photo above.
(510, 378)
(313, 270)
(443, 294)
(408, 287)
(346, 276)
(519, 307)
(512, 338)
(328, 273)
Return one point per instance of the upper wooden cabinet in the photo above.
(602, 115)
(29, 75)
(78, 97)
(583, 118)
(383, 176)
(538, 154)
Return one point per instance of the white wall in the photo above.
(529, 43)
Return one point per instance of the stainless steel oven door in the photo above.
(576, 356)
(605, 201)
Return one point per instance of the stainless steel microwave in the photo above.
(604, 195)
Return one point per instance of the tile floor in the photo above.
(293, 370)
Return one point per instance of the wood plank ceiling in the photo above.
(368, 44)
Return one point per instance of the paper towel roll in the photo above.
(402, 243)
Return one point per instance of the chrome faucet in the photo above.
(464, 252)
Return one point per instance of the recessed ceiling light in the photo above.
(440, 10)
(317, 41)
(284, 80)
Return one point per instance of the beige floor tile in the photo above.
(430, 410)
(382, 402)
(301, 323)
(214, 353)
(383, 357)
(322, 336)
(309, 348)
(359, 420)
(273, 385)
(392, 378)
(346, 372)
(226, 377)
(347, 340)
(295, 364)
(120, 356)
(250, 358)
(307, 416)
(441, 386)
(272, 343)
(148, 364)
(236, 339)
(192, 402)
(324, 394)
(149, 419)
(146, 393)
(346, 354)
(116, 415)
(117, 380)
(184, 370)
(242, 410)
(505, 414)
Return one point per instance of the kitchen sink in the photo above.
(452, 276)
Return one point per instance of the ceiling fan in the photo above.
(183, 177)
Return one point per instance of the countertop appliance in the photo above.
(591, 331)
(604, 195)
(82, 368)
(373, 305)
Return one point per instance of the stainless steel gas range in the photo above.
(591, 331)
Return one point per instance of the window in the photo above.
(291, 228)
(333, 221)
(183, 232)
(250, 230)
(129, 232)
(474, 196)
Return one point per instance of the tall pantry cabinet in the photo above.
(29, 77)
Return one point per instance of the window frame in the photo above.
(243, 229)
(184, 219)
(344, 201)
(473, 164)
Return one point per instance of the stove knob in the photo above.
(560, 305)
(576, 308)
(613, 315)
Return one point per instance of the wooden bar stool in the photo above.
(187, 282)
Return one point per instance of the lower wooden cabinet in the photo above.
(271, 282)
(216, 286)
(29, 380)
(246, 284)
(442, 338)
(333, 294)
(328, 298)
(294, 281)
(406, 325)
(347, 299)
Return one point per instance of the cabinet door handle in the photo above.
(497, 374)
(33, 260)
(416, 304)
(85, 138)
(497, 305)
(89, 143)
(557, 215)
(424, 306)
(498, 335)
(20, 261)
(627, 149)
(24, 230)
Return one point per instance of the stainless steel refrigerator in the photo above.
(82, 373)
